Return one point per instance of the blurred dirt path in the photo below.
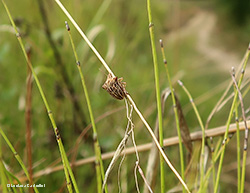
(202, 25)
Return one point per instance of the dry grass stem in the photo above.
(144, 178)
(115, 156)
(153, 156)
(28, 119)
(157, 143)
(241, 101)
(122, 145)
(215, 109)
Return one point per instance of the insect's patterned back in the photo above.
(115, 87)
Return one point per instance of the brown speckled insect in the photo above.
(115, 87)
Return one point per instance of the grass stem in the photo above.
(202, 166)
(28, 109)
(98, 163)
(229, 121)
(238, 147)
(84, 37)
(18, 158)
(175, 113)
(2, 171)
(220, 101)
(158, 92)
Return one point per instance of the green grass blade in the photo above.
(158, 92)
(2, 170)
(99, 163)
(238, 148)
(18, 158)
(176, 114)
(203, 134)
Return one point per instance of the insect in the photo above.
(115, 87)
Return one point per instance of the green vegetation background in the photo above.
(121, 36)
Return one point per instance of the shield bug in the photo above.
(115, 87)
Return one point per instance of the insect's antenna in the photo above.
(104, 72)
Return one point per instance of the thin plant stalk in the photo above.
(226, 100)
(99, 163)
(67, 169)
(217, 152)
(79, 118)
(246, 134)
(158, 92)
(217, 149)
(212, 159)
(11, 177)
(3, 178)
(243, 172)
(14, 189)
(217, 106)
(143, 177)
(18, 158)
(157, 143)
(116, 155)
(203, 133)
(128, 96)
(220, 146)
(175, 113)
(84, 37)
(238, 147)
(245, 146)
(229, 121)
(2, 170)
(28, 107)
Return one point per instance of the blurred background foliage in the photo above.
(203, 40)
